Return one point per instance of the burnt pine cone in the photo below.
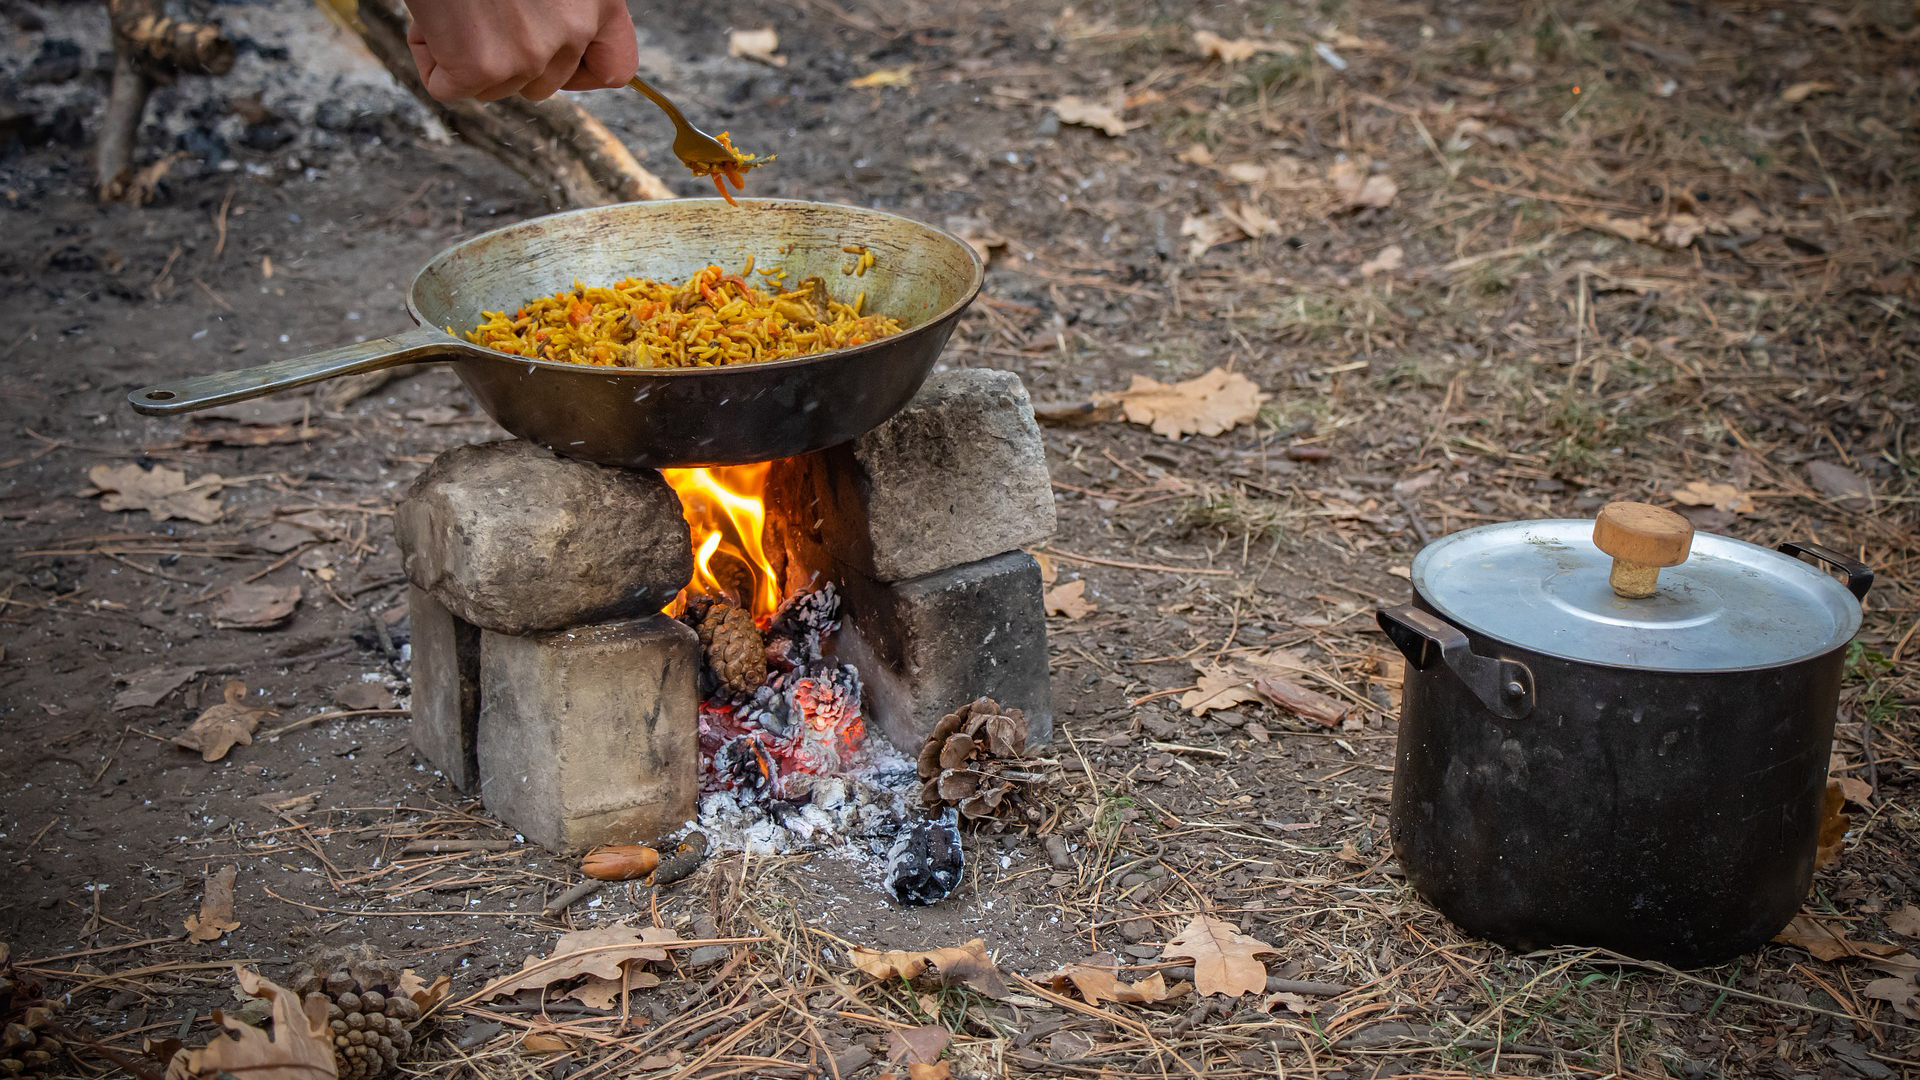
(732, 646)
(371, 1028)
(969, 759)
(27, 1041)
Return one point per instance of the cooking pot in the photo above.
(660, 418)
(1616, 733)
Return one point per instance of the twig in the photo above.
(587, 887)
(1096, 560)
(311, 720)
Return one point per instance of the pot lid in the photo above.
(1543, 585)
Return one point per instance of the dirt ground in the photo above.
(1491, 261)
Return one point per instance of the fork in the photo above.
(694, 148)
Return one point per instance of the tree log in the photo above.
(148, 47)
(571, 158)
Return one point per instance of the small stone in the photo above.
(513, 539)
(957, 476)
(1058, 856)
(587, 736)
(925, 646)
(1136, 930)
(446, 688)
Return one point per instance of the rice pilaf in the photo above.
(715, 319)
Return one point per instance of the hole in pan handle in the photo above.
(206, 391)
(1859, 577)
(1505, 687)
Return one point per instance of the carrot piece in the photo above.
(721, 187)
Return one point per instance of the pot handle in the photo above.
(206, 391)
(1859, 578)
(1505, 687)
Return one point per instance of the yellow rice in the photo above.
(713, 320)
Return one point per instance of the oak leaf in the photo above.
(1845, 488)
(1826, 941)
(1905, 922)
(216, 907)
(162, 492)
(1219, 688)
(1898, 991)
(1208, 404)
(600, 953)
(1104, 118)
(598, 993)
(1225, 961)
(917, 1046)
(1834, 824)
(428, 996)
(1070, 600)
(1205, 232)
(222, 727)
(1097, 979)
(1358, 189)
(1235, 50)
(148, 687)
(967, 964)
(300, 1048)
(1724, 497)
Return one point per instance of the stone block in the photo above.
(514, 539)
(446, 688)
(957, 476)
(588, 736)
(927, 646)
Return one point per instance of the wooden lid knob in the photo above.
(1641, 539)
(1643, 534)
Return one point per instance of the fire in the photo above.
(725, 508)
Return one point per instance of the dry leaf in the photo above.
(1225, 961)
(1070, 600)
(1905, 922)
(300, 1048)
(1219, 689)
(600, 953)
(537, 1043)
(1389, 260)
(1250, 219)
(1899, 992)
(968, 964)
(1826, 942)
(222, 727)
(917, 1046)
(1843, 487)
(1048, 572)
(1214, 47)
(1360, 189)
(1209, 404)
(1723, 497)
(216, 907)
(898, 76)
(1097, 980)
(978, 233)
(1801, 91)
(620, 862)
(150, 686)
(598, 993)
(939, 1070)
(427, 996)
(162, 492)
(256, 607)
(757, 45)
(1633, 229)
(1073, 110)
(1834, 824)
(1302, 702)
(1208, 231)
(359, 694)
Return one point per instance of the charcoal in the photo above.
(926, 861)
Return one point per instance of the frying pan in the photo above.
(673, 418)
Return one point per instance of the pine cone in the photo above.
(735, 654)
(371, 1023)
(976, 760)
(28, 1044)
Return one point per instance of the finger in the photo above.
(560, 69)
(610, 58)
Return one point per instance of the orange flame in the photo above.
(725, 508)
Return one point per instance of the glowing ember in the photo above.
(805, 720)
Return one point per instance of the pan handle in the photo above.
(1505, 687)
(206, 391)
(1859, 577)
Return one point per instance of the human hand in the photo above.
(491, 49)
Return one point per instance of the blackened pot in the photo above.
(1543, 799)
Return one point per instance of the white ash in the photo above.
(865, 804)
